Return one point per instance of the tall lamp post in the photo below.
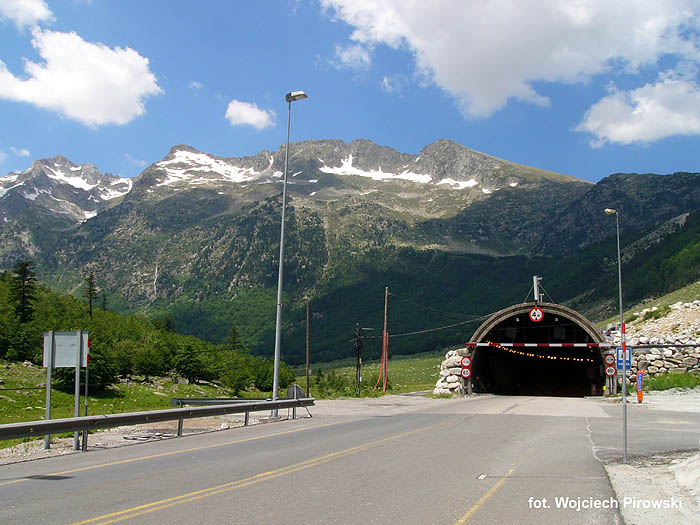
(610, 211)
(290, 97)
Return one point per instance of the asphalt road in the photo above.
(492, 459)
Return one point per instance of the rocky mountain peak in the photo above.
(60, 188)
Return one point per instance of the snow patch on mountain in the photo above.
(346, 168)
(186, 165)
(74, 180)
(459, 184)
(110, 193)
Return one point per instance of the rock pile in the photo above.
(450, 381)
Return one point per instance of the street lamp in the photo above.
(290, 97)
(610, 211)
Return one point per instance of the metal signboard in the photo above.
(67, 349)
(466, 373)
(466, 362)
(536, 314)
(610, 371)
(609, 359)
(628, 359)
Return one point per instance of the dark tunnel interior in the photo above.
(544, 371)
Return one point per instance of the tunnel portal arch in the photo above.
(556, 354)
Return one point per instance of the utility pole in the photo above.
(307, 348)
(386, 337)
(358, 352)
(384, 362)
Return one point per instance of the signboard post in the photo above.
(466, 373)
(65, 350)
(610, 383)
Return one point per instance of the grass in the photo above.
(23, 396)
(669, 381)
(23, 390)
(414, 373)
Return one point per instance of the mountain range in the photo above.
(448, 230)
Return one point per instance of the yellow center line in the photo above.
(245, 482)
(485, 497)
(164, 454)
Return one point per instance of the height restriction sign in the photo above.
(536, 314)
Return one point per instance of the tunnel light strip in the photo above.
(539, 356)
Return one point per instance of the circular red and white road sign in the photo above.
(610, 371)
(466, 362)
(466, 373)
(536, 314)
(609, 359)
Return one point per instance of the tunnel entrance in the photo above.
(539, 348)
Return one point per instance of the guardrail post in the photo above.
(245, 421)
(179, 422)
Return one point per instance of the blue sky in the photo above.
(581, 87)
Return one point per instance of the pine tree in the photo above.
(90, 290)
(23, 290)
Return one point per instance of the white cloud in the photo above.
(393, 84)
(248, 114)
(20, 152)
(193, 84)
(3, 156)
(25, 12)
(354, 57)
(130, 159)
(486, 53)
(652, 112)
(90, 83)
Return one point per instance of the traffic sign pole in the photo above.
(624, 389)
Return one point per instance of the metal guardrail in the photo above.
(77, 424)
(208, 401)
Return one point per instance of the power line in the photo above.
(432, 309)
(431, 329)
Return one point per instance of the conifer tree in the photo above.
(23, 290)
(90, 290)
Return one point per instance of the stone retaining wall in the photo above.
(680, 327)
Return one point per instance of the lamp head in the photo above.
(610, 211)
(295, 95)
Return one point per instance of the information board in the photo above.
(67, 349)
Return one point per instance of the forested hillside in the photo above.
(120, 345)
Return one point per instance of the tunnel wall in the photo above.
(524, 309)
